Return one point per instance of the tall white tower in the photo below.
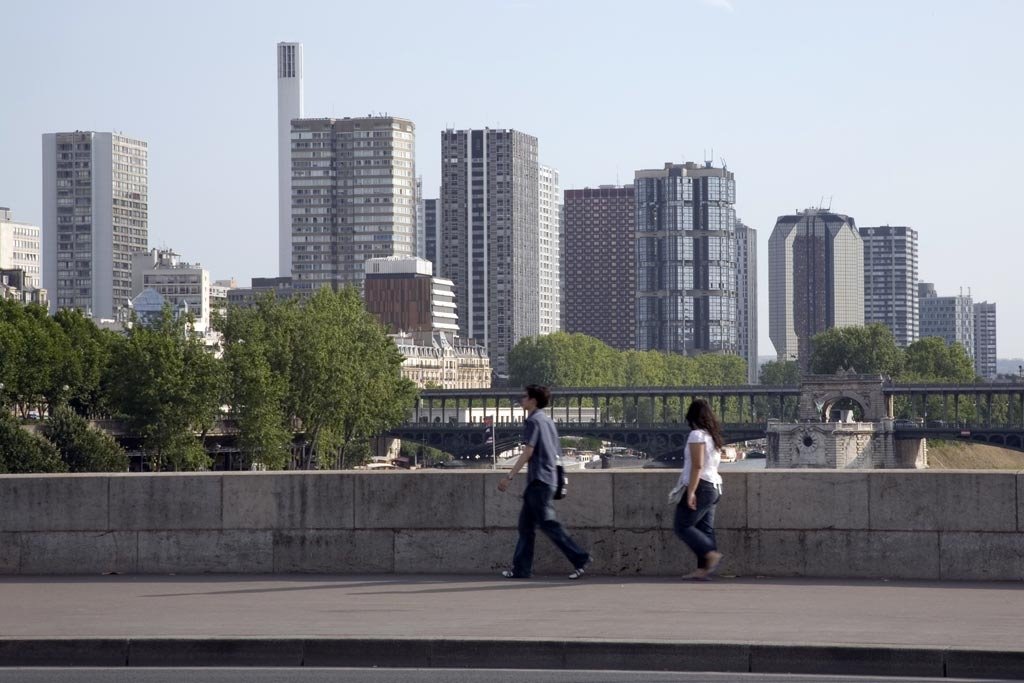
(549, 207)
(289, 106)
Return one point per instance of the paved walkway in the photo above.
(788, 613)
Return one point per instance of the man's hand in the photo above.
(691, 501)
(503, 484)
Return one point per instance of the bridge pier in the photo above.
(912, 454)
(843, 445)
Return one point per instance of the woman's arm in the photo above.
(696, 467)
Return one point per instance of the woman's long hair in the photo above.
(700, 416)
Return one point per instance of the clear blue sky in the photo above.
(904, 113)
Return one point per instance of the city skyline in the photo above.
(896, 112)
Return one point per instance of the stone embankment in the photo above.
(950, 525)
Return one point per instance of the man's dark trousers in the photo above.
(538, 511)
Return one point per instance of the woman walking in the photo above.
(702, 489)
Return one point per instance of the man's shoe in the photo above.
(509, 574)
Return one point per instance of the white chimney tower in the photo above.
(289, 106)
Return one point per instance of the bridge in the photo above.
(652, 419)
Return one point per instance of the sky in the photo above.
(895, 112)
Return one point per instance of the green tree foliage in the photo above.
(564, 360)
(82, 448)
(24, 452)
(932, 360)
(719, 369)
(346, 379)
(32, 354)
(576, 360)
(257, 353)
(870, 349)
(46, 361)
(170, 389)
(89, 351)
(423, 456)
(326, 366)
(780, 373)
(642, 369)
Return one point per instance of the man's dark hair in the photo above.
(540, 394)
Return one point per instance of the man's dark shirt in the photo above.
(539, 431)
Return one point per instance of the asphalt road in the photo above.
(206, 675)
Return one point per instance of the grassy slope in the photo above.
(961, 455)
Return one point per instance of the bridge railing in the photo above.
(640, 405)
(941, 405)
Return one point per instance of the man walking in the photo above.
(541, 451)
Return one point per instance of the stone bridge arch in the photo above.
(818, 393)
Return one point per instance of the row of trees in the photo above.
(871, 349)
(323, 368)
(577, 360)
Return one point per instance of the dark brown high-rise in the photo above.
(600, 264)
(405, 297)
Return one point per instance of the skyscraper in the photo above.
(353, 183)
(95, 216)
(21, 248)
(490, 237)
(549, 207)
(289, 106)
(815, 279)
(890, 281)
(686, 259)
(948, 317)
(985, 340)
(421, 225)
(600, 264)
(746, 298)
(430, 234)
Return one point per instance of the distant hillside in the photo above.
(960, 455)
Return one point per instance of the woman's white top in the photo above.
(711, 459)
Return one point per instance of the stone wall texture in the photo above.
(950, 525)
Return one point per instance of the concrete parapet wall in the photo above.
(951, 525)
